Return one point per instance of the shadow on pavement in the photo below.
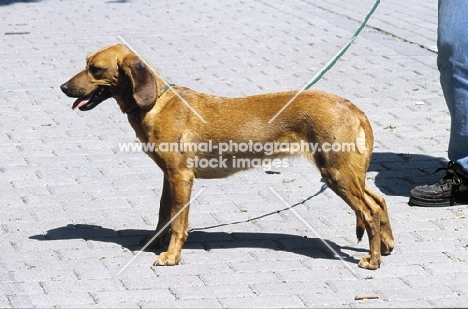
(201, 238)
(8, 2)
(398, 173)
(130, 238)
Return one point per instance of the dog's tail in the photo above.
(360, 228)
(364, 142)
(364, 146)
(361, 141)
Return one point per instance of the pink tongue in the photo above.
(80, 102)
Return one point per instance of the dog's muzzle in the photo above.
(89, 101)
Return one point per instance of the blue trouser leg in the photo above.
(452, 62)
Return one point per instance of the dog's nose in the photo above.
(64, 88)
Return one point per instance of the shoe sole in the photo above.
(415, 201)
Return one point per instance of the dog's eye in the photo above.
(95, 70)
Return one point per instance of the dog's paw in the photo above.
(167, 259)
(368, 263)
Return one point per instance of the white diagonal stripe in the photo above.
(166, 83)
(160, 231)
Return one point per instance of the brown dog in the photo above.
(182, 116)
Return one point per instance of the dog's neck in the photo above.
(161, 85)
(134, 111)
(135, 114)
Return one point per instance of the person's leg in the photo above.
(452, 61)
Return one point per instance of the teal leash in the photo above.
(166, 89)
(332, 62)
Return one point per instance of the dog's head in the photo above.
(113, 72)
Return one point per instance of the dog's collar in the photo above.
(165, 89)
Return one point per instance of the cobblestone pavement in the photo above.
(73, 206)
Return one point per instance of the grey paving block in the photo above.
(183, 303)
(291, 301)
(112, 298)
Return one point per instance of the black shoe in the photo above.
(449, 191)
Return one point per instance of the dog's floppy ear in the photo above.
(142, 80)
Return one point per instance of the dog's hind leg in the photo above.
(386, 234)
(349, 185)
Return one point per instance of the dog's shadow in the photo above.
(200, 238)
(203, 240)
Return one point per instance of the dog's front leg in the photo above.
(180, 187)
(164, 217)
